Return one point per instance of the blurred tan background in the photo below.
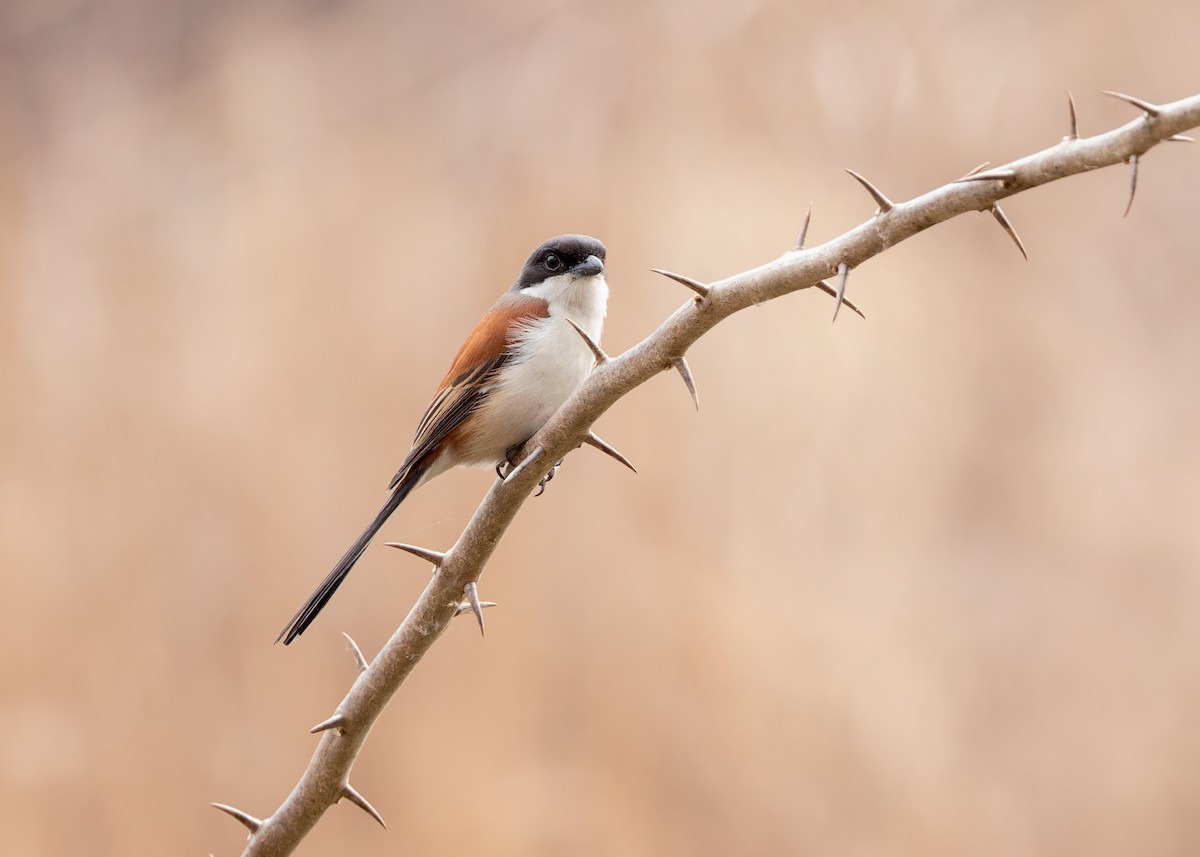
(925, 584)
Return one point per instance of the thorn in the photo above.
(697, 287)
(593, 439)
(1006, 224)
(840, 295)
(1181, 138)
(435, 557)
(338, 721)
(1133, 165)
(251, 823)
(973, 171)
(1000, 174)
(466, 608)
(885, 204)
(537, 453)
(804, 228)
(596, 350)
(472, 594)
(829, 290)
(357, 652)
(1074, 133)
(1151, 109)
(681, 366)
(358, 800)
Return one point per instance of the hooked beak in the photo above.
(589, 267)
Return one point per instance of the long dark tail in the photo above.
(305, 615)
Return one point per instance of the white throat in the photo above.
(584, 300)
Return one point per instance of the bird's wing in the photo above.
(470, 378)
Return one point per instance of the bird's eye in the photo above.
(553, 263)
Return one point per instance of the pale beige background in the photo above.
(927, 584)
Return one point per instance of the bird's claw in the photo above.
(542, 485)
(509, 464)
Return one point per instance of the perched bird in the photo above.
(522, 361)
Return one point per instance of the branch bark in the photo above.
(326, 780)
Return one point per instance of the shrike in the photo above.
(522, 361)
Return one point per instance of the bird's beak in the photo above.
(589, 267)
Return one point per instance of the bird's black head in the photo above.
(577, 255)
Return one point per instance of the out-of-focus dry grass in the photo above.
(925, 584)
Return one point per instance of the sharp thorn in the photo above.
(1151, 109)
(804, 228)
(1181, 138)
(1133, 167)
(1000, 174)
(529, 459)
(466, 608)
(359, 660)
(829, 290)
(593, 439)
(681, 367)
(596, 350)
(973, 171)
(1007, 226)
(885, 204)
(435, 557)
(839, 296)
(250, 822)
(338, 721)
(358, 800)
(1074, 132)
(472, 593)
(697, 287)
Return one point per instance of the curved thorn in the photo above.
(357, 652)
(472, 593)
(885, 204)
(829, 290)
(697, 287)
(251, 823)
(359, 801)
(435, 557)
(681, 367)
(839, 296)
(1074, 133)
(593, 439)
(1133, 165)
(466, 608)
(1006, 224)
(1181, 138)
(804, 228)
(529, 459)
(596, 350)
(1000, 174)
(338, 721)
(973, 171)
(1151, 109)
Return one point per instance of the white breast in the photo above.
(553, 363)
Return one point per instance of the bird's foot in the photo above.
(542, 485)
(510, 462)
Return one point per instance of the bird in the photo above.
(518, 366)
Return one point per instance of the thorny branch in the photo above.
(452, 589)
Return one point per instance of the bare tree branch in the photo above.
(326, 780)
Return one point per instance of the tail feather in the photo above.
(305, 615)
